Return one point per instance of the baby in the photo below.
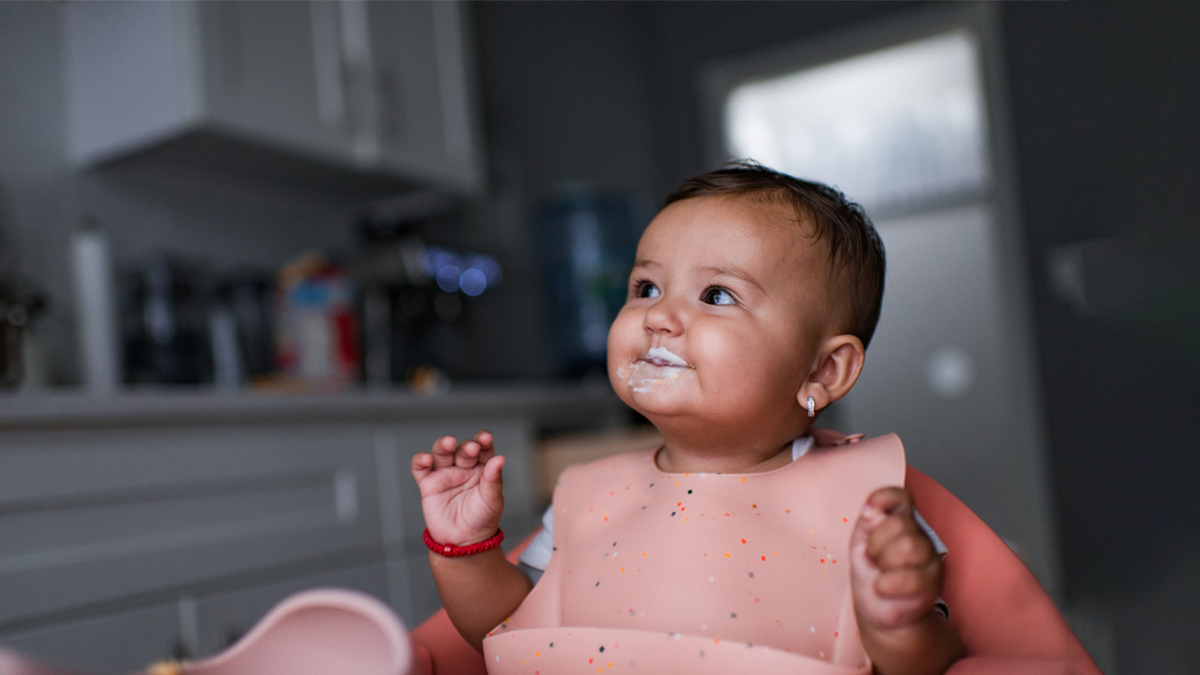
(750, 305)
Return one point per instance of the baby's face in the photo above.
(726, 307)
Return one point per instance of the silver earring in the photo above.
(812, 407)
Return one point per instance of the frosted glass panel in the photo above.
(900, 125)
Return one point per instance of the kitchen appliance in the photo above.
(19, 304)
(249, 298)
(165, 322)
(416, 295)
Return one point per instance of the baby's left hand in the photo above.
(895, 574)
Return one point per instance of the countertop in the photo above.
(550, 404)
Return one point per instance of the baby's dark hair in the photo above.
(854, 245)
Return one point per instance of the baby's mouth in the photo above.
(658, 368)
(665, 358)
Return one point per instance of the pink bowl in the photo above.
(318, 632)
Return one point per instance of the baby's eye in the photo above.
(645, 289)
(716, 295)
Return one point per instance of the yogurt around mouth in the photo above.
(661, 356)
(660, 367)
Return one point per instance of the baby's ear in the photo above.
(839, 362)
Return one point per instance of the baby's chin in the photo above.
(653, 402)
(653, 407)
(642, 377)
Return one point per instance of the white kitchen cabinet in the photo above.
(278, 89)
(423, 101)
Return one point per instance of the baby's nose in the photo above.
(663, 318)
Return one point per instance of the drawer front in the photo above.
(114, 644)
(414, 595)
(92, 515)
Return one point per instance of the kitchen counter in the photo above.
(550, 404)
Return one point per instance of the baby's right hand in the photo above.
(460, 489)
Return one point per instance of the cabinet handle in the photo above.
(327, 64)
(360, 80)
(452, 81)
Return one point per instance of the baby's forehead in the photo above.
(777, 229)
(770, 251)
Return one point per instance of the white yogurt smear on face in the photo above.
(660, 367)
(661, 356)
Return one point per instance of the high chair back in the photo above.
(1007, 621)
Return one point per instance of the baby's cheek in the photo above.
(625, 329)
(735, 363)
(624, 345)
(729, 370)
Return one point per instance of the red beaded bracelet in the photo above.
(451, 551)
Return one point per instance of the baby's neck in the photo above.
(678, 456)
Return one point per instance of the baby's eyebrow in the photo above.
(736, 274)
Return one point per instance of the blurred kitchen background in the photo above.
(253, 256)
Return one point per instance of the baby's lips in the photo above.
(661, 356)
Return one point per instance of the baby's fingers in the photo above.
(492, 485)
(443, 452)
(484, 439)
(892, 501)
(422, 466)
(919, 584)
(469, 454)
(910, 548)
(487, 448)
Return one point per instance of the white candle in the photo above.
(96, 315)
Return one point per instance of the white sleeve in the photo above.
(940, 549)
(938, 546)
(537, 554)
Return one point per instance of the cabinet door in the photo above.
(127, 84)
(413, 593)
(272, 73)
(422, 90)
(114, 644)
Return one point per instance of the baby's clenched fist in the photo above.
(461, 489)
(895, 573)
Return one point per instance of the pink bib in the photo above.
(700, 573)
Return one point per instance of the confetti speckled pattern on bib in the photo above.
(695, 573)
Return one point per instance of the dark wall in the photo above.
(1105, 105)
(565, 93)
